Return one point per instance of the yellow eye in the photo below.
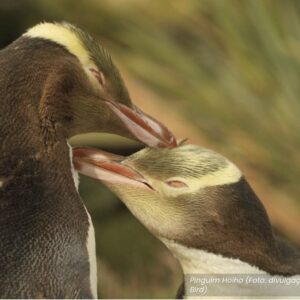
(176, 184)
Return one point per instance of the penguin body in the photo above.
(200, 206)
(55, 81)
(42, 215)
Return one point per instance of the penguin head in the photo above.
(174, 192)
(188, 194)
(84, 92)
(173, 183)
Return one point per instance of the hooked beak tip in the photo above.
(143, 127)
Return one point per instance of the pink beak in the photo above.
(145, 128)
(106, 167)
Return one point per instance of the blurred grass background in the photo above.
(223, 73)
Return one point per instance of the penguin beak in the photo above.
(107, 167)
(143, 127)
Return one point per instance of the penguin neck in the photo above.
(196, 261)
(200, 262)
(242, 231)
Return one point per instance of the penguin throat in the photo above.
(195, 261)
(199, 262)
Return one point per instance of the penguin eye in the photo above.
(98, 75)
(176, 184)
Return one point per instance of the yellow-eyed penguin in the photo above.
(56, 81)
(199, 205)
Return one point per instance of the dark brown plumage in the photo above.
(36, 89)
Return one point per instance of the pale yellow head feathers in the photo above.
(95, 60)
(63, 34)
(197, 167)
(66, 35)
